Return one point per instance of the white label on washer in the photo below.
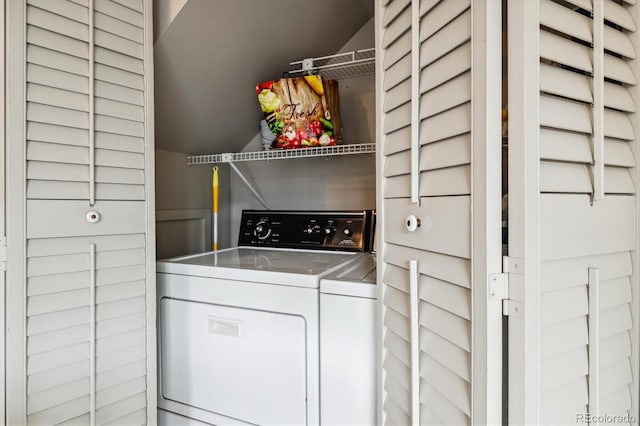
(224, 327)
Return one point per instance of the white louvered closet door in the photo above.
(88, 349)
(573, 211)
(440, 331)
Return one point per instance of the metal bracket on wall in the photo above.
(246, 182)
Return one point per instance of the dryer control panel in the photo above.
(326, 230)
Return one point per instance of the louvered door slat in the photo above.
(454, 122)
(60, 413)
(40, 381)
(565, 177)
(132, 4)
(120, 409)
(402, 395)
(564, 369)
(451, 94)
(618, 153)
(58, 116)
(118, 76)
(397, 73)
(617, 14)
(119, 126)
(562, 337)
(57, 61)
(456, 182)
(444, 41)
(80, 191)
(115, 26)
(446, 153)
(397, 28)
(397, 323)
(437, 265)
(57, 42)
(447, 383)
(68, 9)
(558, 49)
(437, 405)
(446, 182)
(122, 64)
(57, 79)
(118, 44)
(615, 348)
(398, 369)
(119, 93)
(58, 24)
(399, 95)
(440, 16)
(451, 65)
(617, 402)
(447, 325)
(118, 11)
(120, 392)
(395, 414)
(52, 397)
(56, 97)
(570, 272)
(563, 402)
(393, 10)
(452, 298)
(119, 110)
(69, 172)
(446, 353)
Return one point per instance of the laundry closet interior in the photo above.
(472, 239)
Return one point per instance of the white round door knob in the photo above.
(412, 223)
(93, 217)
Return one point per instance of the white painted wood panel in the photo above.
(564, 219)
(69, 218)
(445, 224)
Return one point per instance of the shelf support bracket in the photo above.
(246, 182)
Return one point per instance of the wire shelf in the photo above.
(281, 154)
(335, 67)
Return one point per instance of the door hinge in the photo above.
(3, 253)
(499, 287)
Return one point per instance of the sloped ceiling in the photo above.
(208, 61)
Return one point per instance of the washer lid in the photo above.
(357, 278)
(302, 268)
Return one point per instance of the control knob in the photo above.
(262, 230)
(330, 230)
(347, 232)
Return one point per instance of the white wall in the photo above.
(340, 183)
(183, 206)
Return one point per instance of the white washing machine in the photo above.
(348, 343)
(239, 328)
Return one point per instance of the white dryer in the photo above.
(239, 328)
(348, 344)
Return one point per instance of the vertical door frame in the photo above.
(380, 213)
(3, 206)
(486, 210)
(524, 210)
(15, 361)
(635, 278)
(150, 193)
